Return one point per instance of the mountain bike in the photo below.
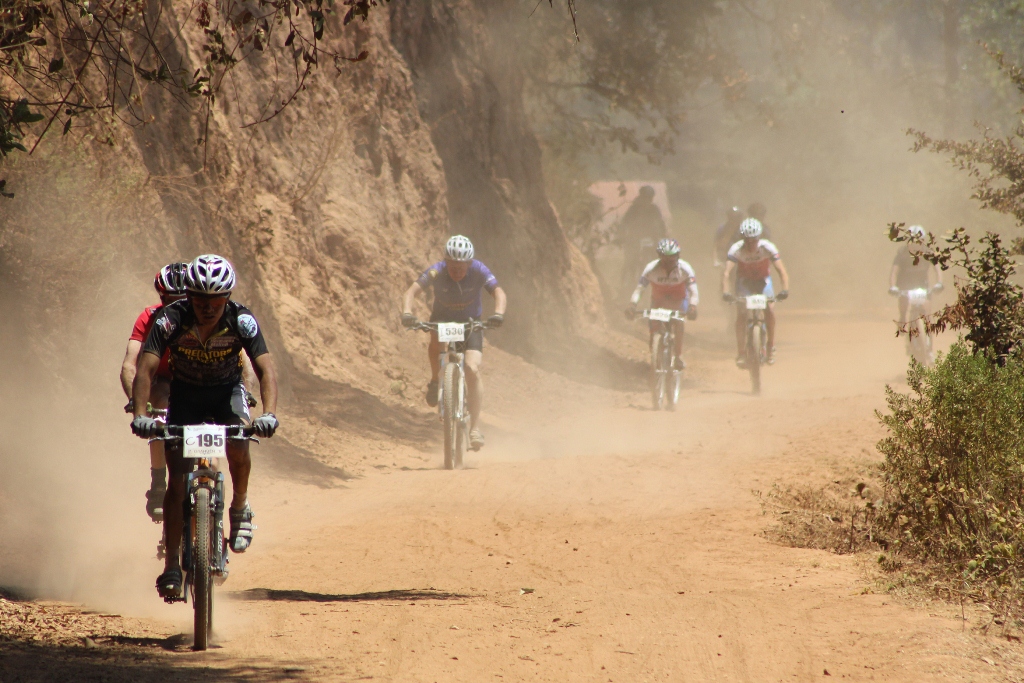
(204, 552)
(451, 397)
(755, 353)
(919, 343)
(665, 379)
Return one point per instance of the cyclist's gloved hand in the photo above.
(145, 427)
(495, 320)
(409, 320)
(728, 298)
(782, 296)
(938, 287)
(894, 291)
(692, 313)
(265, 425)
(129, 407)
(630, 312)
(250, 400)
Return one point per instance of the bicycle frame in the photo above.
(665, 378)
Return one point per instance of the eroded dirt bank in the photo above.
(638, 535)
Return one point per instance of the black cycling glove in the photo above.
(782, 296)
(409, 320)
(495, 321)
(265, 425)
(145, 427)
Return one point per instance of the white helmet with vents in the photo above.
(459, 248)
(751, 227)
(210, 274)
(916, 231)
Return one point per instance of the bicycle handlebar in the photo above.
(233, 432)
(676, 314)
(473, 326)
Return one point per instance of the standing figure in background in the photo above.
(640, 230)
(727, 234)
(912, 283)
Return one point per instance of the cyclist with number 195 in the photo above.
(458, 283)
(205, 334)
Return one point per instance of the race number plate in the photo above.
(451, 332)
(917, 297)
(661, 314)
(757, 302)
(205, 441)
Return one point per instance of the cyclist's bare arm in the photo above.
(893, 273)
(249, 378)
(500, 300)
(783, 275)
(131, 357)
(266, 372)
(726, 275)
(145, 371)
(637, 293)
(410, 297)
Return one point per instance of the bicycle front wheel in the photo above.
(203, 598)
(658, 371)
(451, 414)
(754, 344)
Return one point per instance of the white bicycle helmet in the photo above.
(751, 227)
(916, 231)
(668, 247)
(170, 281)
(459, 248)
(210, 274)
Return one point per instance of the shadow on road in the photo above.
(270, 594)
(34, 663)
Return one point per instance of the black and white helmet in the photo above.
(751, 227)
(170, 281)
(459, 248)
(210, 274)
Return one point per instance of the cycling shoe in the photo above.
(168, 584)
(741, 362)
(241, 528)
(432, 393)
(770, 360)
(476, 440)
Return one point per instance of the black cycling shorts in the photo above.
(475, 341)
(191, 404)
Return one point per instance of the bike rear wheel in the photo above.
(754, 344)
(451, 421)
(658, 371)
(203, 598)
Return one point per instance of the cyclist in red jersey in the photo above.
(170, 285)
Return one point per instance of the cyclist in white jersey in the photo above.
(673, 286)
(751, 258)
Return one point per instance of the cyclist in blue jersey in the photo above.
(458, 283)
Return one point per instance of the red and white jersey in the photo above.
(755, 264)
(673, 285)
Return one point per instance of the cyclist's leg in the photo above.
(904, 304)
(236, 411)
(769, 319)
(173, 500)
(434, 351)
(679, 328)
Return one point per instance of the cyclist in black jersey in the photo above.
(205, 335)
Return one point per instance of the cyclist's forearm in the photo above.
(131, 357)
(143, 382)
(266, 372)
(409, 299)
(783, 275)
(500, 301)
(635, 299)
(892, 276)
(726, 275)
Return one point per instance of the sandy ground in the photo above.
(592, 539)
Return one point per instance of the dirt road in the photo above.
(591, 540)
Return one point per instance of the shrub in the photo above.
(954, 471)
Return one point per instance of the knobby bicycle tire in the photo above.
(754, 344)
(451, 424)
(201, 570)
(657, 362)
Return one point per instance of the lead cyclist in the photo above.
(205, 334)
(673, 286)
(458, 283)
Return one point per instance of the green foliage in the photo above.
(954, 470)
